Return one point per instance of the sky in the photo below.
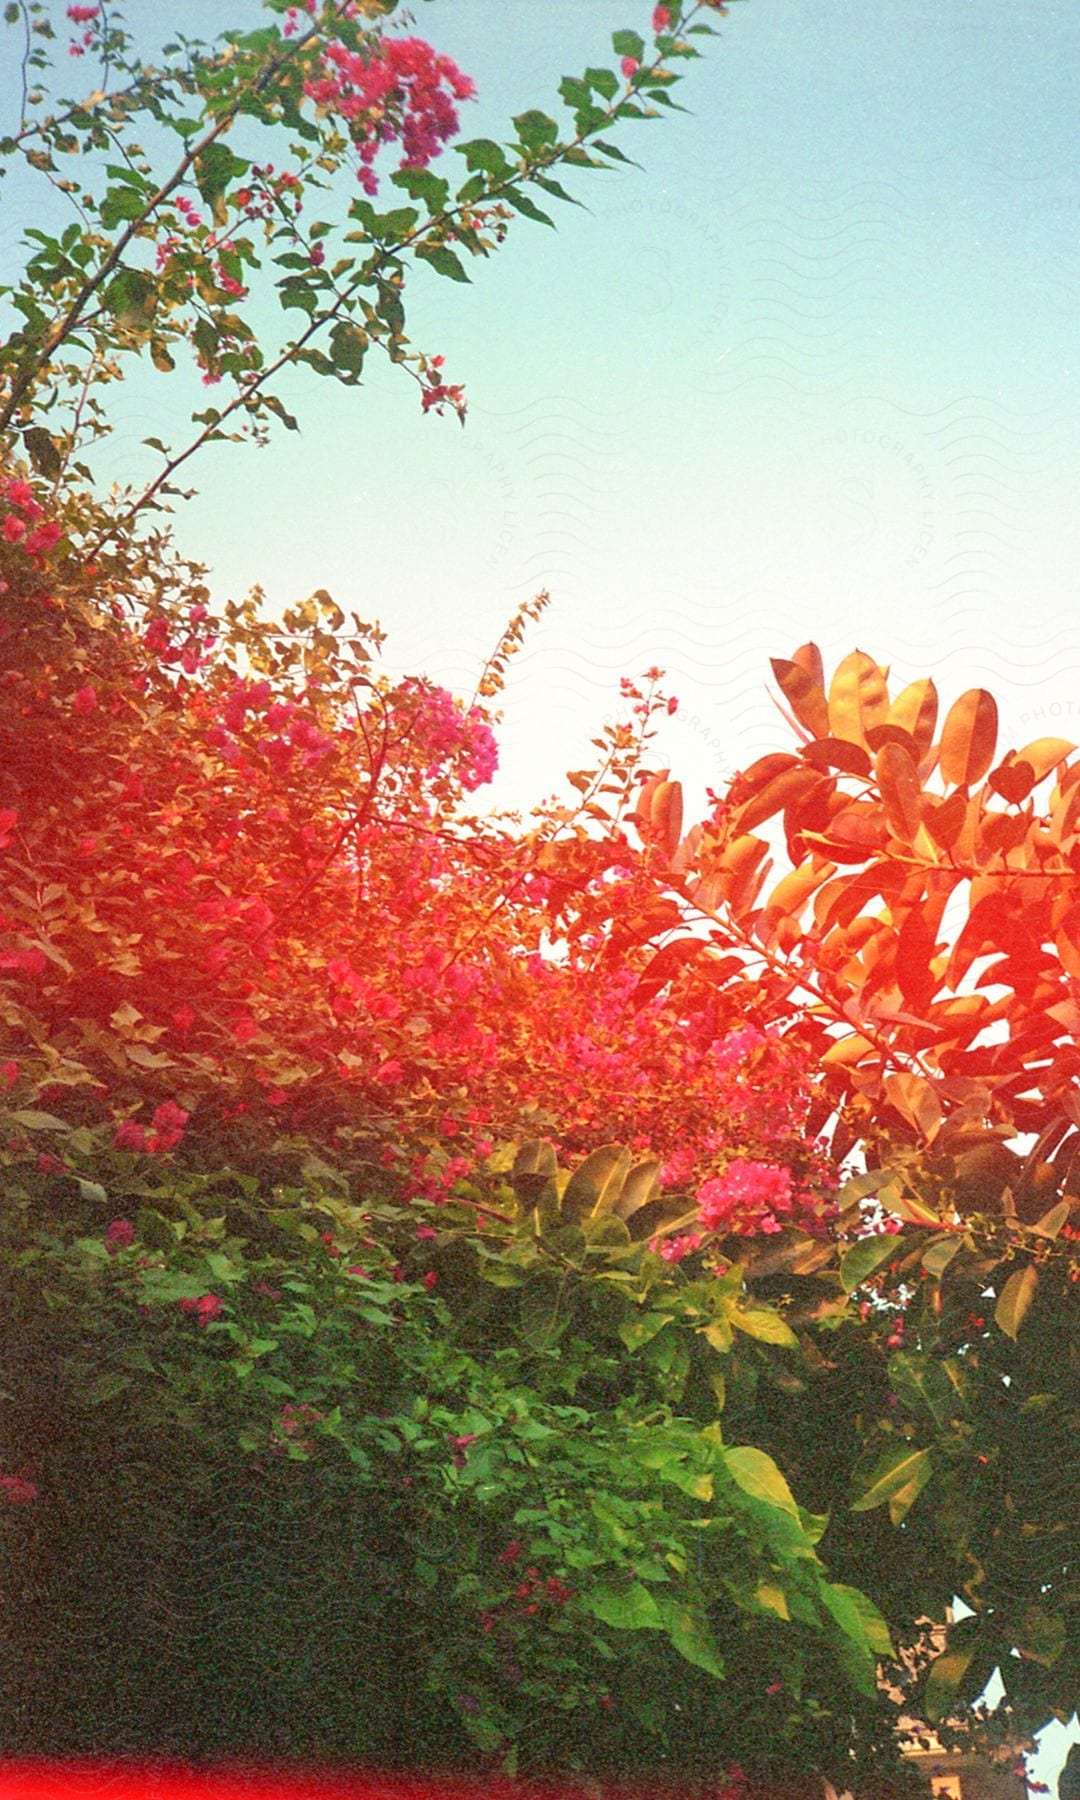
(808, 373)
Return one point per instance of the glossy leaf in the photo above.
(968, 738)
(858, 697)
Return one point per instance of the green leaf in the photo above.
(442, 260)
(421, 184)
(522, 204)
(857, 1617)
(32, 1120)
(543, 1321)
(348, 345)
(757, 1475)
(486, 154)
(596, 1184)
(215, 168)
(863, 1258)
(42, 452)
(1015, 1299)
(947, 1671)
(690, 1634)
(121, 205)
(765, 1324)
(772, 1599)
(627, 43)
(630, 1608)
(939, 1254)
(535, 130)
(1051, 1222)
(613, 151)
(605, 81)
(896, 1469)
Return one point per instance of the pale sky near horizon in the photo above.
(808, 373)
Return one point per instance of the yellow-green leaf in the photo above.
(899, 1466)
(1015, 1299)
(763, 1323)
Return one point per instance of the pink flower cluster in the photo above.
(674, 1249)
(86, 16)
(166, 1131)
(443, 732)
(736, 1046)
(748, 1196)
(403, 91)
(21, 523)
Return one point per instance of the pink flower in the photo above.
(82, 15)
(46, 537)
(629, 67)
(430, 1279)
(85, 700)
(746, 1190)
(119, 1235)
(206, 1307)
(674, 1249)
(20, 493)
(168, 1122)
(16, 1488)
(9, 1075)
(14, 529)
(736, 1046)
(661, 19)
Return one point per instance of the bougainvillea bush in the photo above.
(483, 1292)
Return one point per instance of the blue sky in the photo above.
(809, 373)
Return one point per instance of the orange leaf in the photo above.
(944, 820)
(1067, 939)
(1044, 754)
(838, 753)
(968, 737)
(808, 657)
(1013, 780)
(667, 813)
(858, 697)
(915, 710)
(784, 790)
(915, 1101)
(898, 783)
(804, 695)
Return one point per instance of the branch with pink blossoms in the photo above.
(159, 262)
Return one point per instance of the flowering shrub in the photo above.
(408, 1185)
